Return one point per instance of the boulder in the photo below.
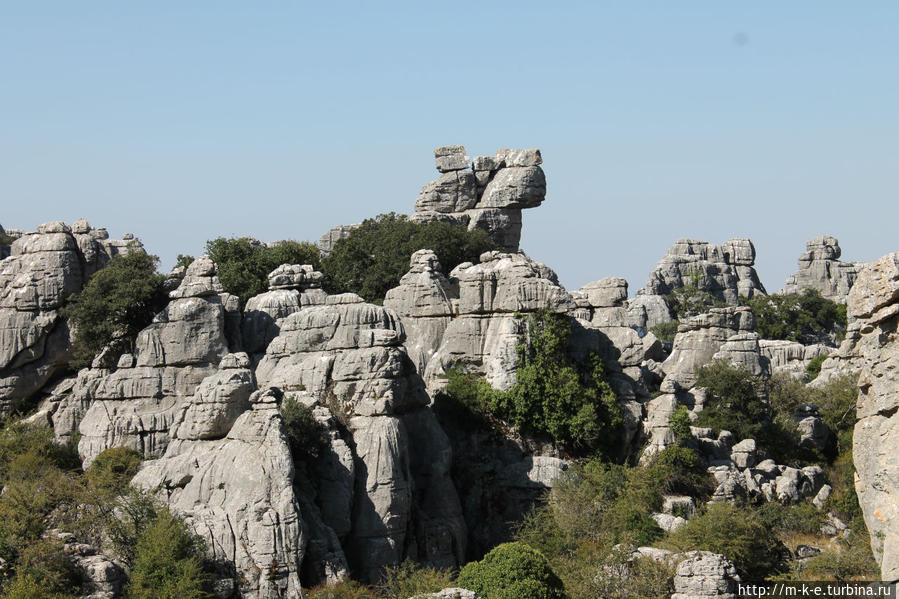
(703, 574)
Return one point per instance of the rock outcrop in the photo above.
(724, 271)
(874, 301)
(44, 269)
(292, 287)
(326, 242)
(136, 403)
(347, 356)
(705, 575)
(492, 296)
(821, 269)
(486, 193)
(236, 492)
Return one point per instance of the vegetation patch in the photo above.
(375, 255)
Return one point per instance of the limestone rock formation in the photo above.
(292, 287)
(492, 295)
(790, 357)
(821, 269)
(237, 493)
(135, 405)
(725, 271)
(44, 269)
(326, 242)
(874, 301)
(426, 302)
(346, 356)
(702, 574)
(487, 193)
(700, 338)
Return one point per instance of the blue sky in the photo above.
(181, 122)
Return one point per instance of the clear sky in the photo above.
(184, 121)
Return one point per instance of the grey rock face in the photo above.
(820, 269)
(139, 404)
(237, 493)
(424, 301)
(790, 357)
(326, 242)
(347, 357)
(102, 578)
(702, 574)
(485, 334)
(292, 287)
(44, 269)
(451, 593)
(487, 193)
(700, 338)
(725, 271)
(874, 300)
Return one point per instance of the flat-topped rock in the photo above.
(821, 270)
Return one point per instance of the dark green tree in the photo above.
(806, 317)
(243, 264)
(512, 571)
(116, 303)
(374, 256)
(168, 562)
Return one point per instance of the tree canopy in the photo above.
(373, 257)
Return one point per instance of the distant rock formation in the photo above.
(724, 271)
(820, 269)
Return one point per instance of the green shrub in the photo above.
(26, 586)
(806, 317)
(349, 589)
(813, 368)
(116, 303)
(307, 438)
(243, 264)
(43, 563)
(693, 298)
(512, 571)
(555, 396)
(410, 579)
(680, 423)
(735, 403)
(184, 260)
(168, 562)
(112, 470)
(735, 533)
(666, 331)
(373, 257)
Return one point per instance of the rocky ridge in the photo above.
(201, 390)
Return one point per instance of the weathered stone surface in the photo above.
(44, 269)
(743, 350)
(790, 357)
(530, 157)
(489, 197)
(102, 578)
(450, 593)
(820, 269)
(646, 311)
(701, 337)
(424, 301)
(703, 574)
(454, 191)
(294, 276)
(451, 158)
(875, 292)
(725, 271)
(515, 187)
(237, 493)
(326, 242)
